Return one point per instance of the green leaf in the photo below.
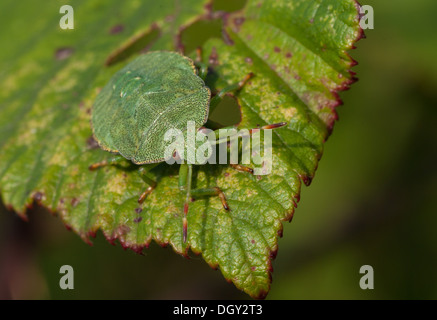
(50, 78)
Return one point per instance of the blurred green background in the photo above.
(372, 202)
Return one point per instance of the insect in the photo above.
(157, 91)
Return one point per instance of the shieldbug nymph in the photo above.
(157, 91)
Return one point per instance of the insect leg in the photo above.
(183, 173)
(109, 162)
(185, 178)
(251, 131)
(150, 182)
(233, 87)
(229, 138)
(203, 68)
(241, 168)
(207, 192)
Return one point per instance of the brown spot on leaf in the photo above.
(122, 230)
(238, 22)
(248, 60)
(116, 29)
(138, 210)
(288, 55)
(277, 49)
(74, 202)
(138, 220)
(63, 53)
(38, 196)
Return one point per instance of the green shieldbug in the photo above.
(156, 91)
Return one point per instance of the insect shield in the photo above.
(200, 147)
(156, 109)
